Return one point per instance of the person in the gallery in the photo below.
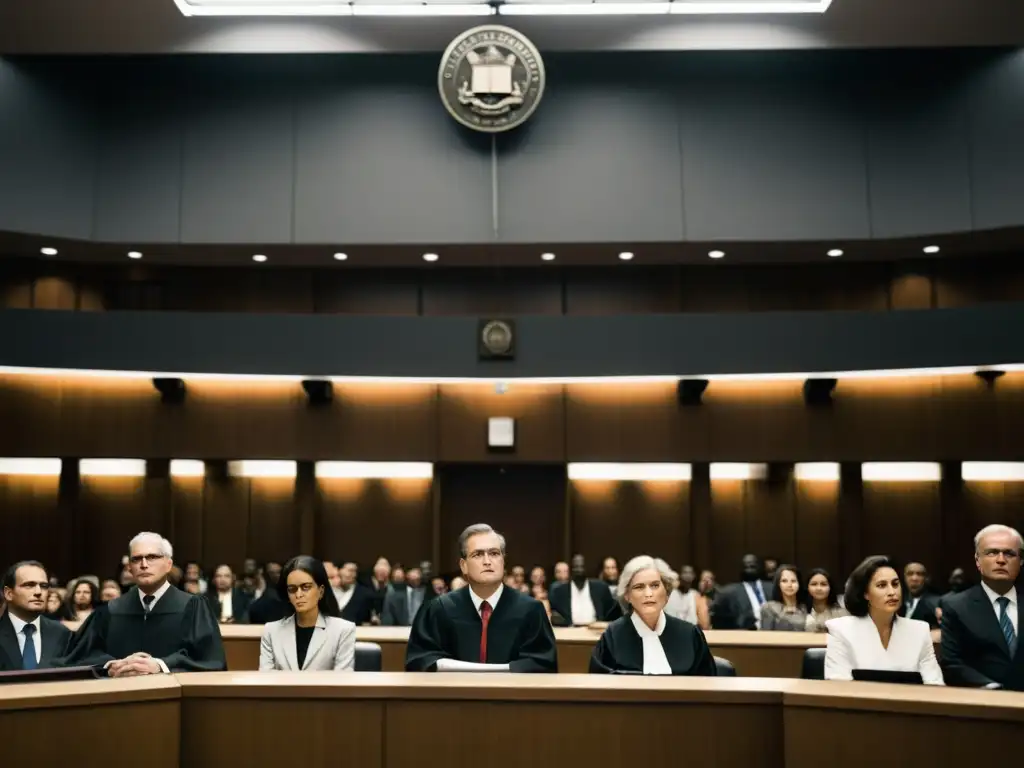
(151, 628)
(647, 640)
(981, 625)
(313, 636)
(822, 600)
(686, 602)
(29, 640)
(486, 627)
(874, 636)
(788, 611)
(582, 601)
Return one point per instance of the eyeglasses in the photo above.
(992, 554)
(136, 559)
(303, 588)
(478, 554)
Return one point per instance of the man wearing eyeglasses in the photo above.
(152, 628)
(981, 625)
(485, 627)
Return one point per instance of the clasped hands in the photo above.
(131, 666)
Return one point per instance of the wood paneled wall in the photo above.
(84, 527)
(616, 289)
(927, 419)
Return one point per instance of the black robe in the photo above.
(181, 631)
(621, 650)
(55, 641)
(448, 627)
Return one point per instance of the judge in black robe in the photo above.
(180, 633)
(448, 627)
(448, 631)
(647, 640)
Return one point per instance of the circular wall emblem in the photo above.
(497, 337)
(491, 78)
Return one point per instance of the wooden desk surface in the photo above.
(79, 693)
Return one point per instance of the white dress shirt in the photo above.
(683, 606)
(583, 612)
(224, 598)
(344, 596)
(455, 665)
(1011, 609)
(19, 630)
(912, 605)
(655, 660)
(854, 643)
(755, 604)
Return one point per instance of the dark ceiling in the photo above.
(964, 245)
(157, 27)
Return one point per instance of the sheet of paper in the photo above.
(454, 665)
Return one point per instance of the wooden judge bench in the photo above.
(754, 654)
(400, 720)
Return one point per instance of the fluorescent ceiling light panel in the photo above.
(187, 468)
(999, 471)
(894, 471)
(370, 470)
(732, 471)
(686, 7)
(331, 8)
(632, 472)
(818, 471)
(282, 469)
(37, 467)
(423, 9)
(112, 467)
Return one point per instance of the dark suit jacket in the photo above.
(396, 606)
(974, 651)
(732, 609)
(53, 635)
(240, 602)
(606, 607)
(924, 611)
(359, 606)
(269, 607)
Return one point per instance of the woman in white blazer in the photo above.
(314, 636)
(873, 636)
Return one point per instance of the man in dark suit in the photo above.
(738, 606)
(229, 603)
(355, 601)
(29, 640)
(403, 601)
(981, 625)
(919, 603)
(582, 601)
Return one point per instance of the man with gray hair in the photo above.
(152, 628)
(981, 625)
(485, 627)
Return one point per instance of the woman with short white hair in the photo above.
(646, 640)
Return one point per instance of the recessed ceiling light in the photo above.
(548, 256)
(48, 251)
(134, 254)
(430, 257)
(626, 255)
(931, 249)
(835, 252)
(340, 256)
(259, 257)
(716, 254)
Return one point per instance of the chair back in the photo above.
(813, 667)
(368, 657)
(724, 667)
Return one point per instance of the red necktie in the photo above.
(485, 618)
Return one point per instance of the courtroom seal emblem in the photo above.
(491, 79)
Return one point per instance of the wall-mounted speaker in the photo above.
(496, 340)
(319, 391)
(818, 392)
(691, 391)
(990, 376)
(171, 390)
